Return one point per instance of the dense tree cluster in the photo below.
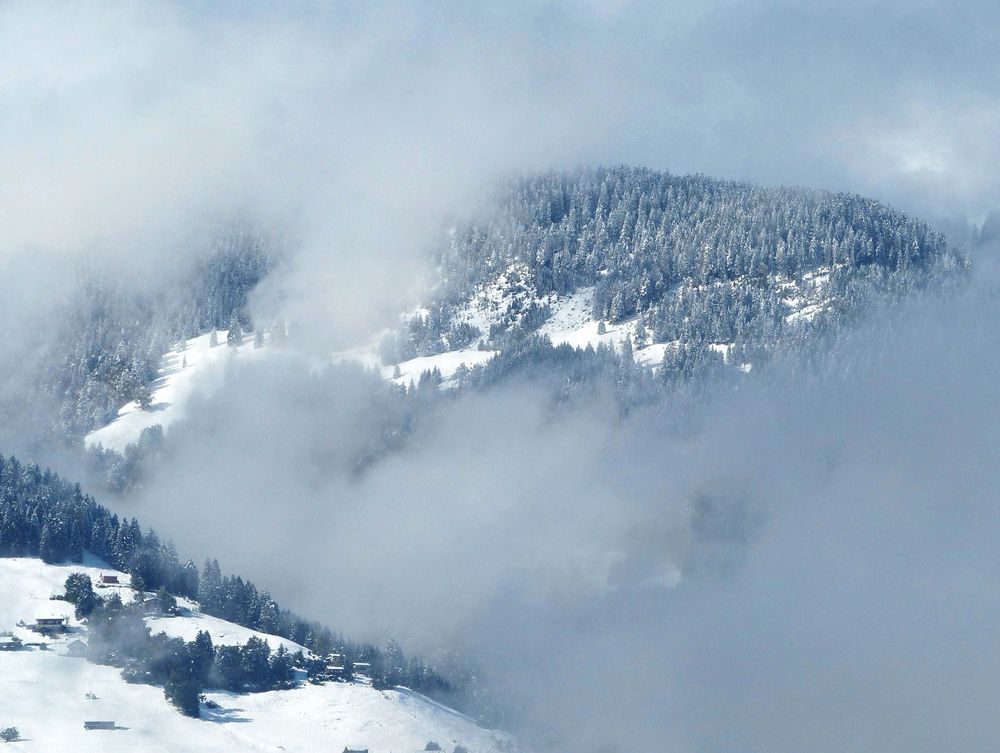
(693, 259)
(119, 636)
(637, 234)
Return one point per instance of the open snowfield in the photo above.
(197, 368)
(27, 583)
(571, 322)
(447, 363)
(35, 582)
(44, 695)
(410, 370)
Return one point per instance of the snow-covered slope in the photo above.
(190, 621)
(44, 693)
(410, 370)
(196, 367)
(26, 584)
(503, 300)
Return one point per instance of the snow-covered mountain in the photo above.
(686, 273)
(196, 367)
(682, 269)
(48, 692)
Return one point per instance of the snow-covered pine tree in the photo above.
(235, 335)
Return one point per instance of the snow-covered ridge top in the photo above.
(48, 694)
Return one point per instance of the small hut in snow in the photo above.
(77, 649)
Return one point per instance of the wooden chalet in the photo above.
(50, 625)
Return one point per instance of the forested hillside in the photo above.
(101, 344)
(42, 515)
(692, 260)
(113, 338)
(698, 276)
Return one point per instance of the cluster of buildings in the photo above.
(337, 669)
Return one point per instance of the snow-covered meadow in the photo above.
(48, 695)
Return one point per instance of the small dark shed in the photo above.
(99, 725)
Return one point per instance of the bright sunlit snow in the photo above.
(45, 694)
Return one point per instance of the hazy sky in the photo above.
(125, 120)
(354, 128)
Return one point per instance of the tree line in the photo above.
(691, 258)
(42, 515)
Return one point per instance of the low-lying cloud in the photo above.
(813, 567)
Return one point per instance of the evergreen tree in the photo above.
(281, 668)
(50, 547)
(202, 656)
(144, 396)
(183, 692)
(80, 592)
(235, 335)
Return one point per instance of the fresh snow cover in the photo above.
(45, 696)
(197, 368)
(447, 363)
(808, 297)
(410, 370)
(571, 322)
(805, 313)
(25, 587)
(652, 355)
(37, 581)
(200, 369)
(492, 299)
(190, 620)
